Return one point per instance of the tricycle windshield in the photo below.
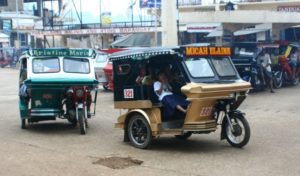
(45, 65)
(223, 66)
(199, 67)
(74, 65)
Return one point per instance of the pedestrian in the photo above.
(264, 60)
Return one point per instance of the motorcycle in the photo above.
(283, 74)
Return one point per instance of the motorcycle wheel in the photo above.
(139, 132)
(184, 136)
(296, 81)
(241, 135)
(277, 80)
(81, 120)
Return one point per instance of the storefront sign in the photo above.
(7, 26)
(94, 31)
(288, 8)
(61, 52)
(207, 51)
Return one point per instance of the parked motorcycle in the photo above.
(283, 74)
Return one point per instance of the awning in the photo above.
(217, 32)
(135, 40)
(4, 38)
(248, 31)
(202, 27)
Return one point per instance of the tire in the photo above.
(81, 121)
(73, 121)
(277, 80)
(23, 123)
(105, 86)
(296, 81)
(139, 132)
(242, 130)
(184, 136)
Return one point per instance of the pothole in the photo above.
(118, 162)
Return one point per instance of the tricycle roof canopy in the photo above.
(142, 53)
(62, 52)
(188, 51)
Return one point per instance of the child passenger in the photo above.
(170, 101)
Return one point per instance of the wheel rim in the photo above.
(238, 136)
(139, 132)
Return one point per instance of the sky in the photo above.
(120, 10)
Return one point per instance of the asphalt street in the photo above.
(57, 148)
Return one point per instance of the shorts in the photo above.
(293, 63)
(268, 74)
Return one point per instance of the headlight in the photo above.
(247, 68)
(79, 93)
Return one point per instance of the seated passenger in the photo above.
(170, 101)
(145, 77)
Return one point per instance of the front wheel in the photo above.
(139, 131)
(82, 122)
(240, 135)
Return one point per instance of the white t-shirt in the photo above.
(164, 92)
(264, 60)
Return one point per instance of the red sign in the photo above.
(128, 93)
(206, 111)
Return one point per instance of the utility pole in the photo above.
(18, 16)
(155, 7)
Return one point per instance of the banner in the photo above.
(150, 3)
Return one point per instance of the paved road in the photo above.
(56, 148)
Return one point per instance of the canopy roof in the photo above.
(134, 40)
(142, 53)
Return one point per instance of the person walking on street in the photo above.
(264, 60)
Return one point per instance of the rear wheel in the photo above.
(240, 136)
(82, 122)
(139, 132)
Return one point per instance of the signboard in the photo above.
(207, 51)
(61, 52)
(288, 8)
(128, 93)
(95, 31)
(7, 26)
(150, 3)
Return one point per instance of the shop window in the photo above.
(3, 3)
